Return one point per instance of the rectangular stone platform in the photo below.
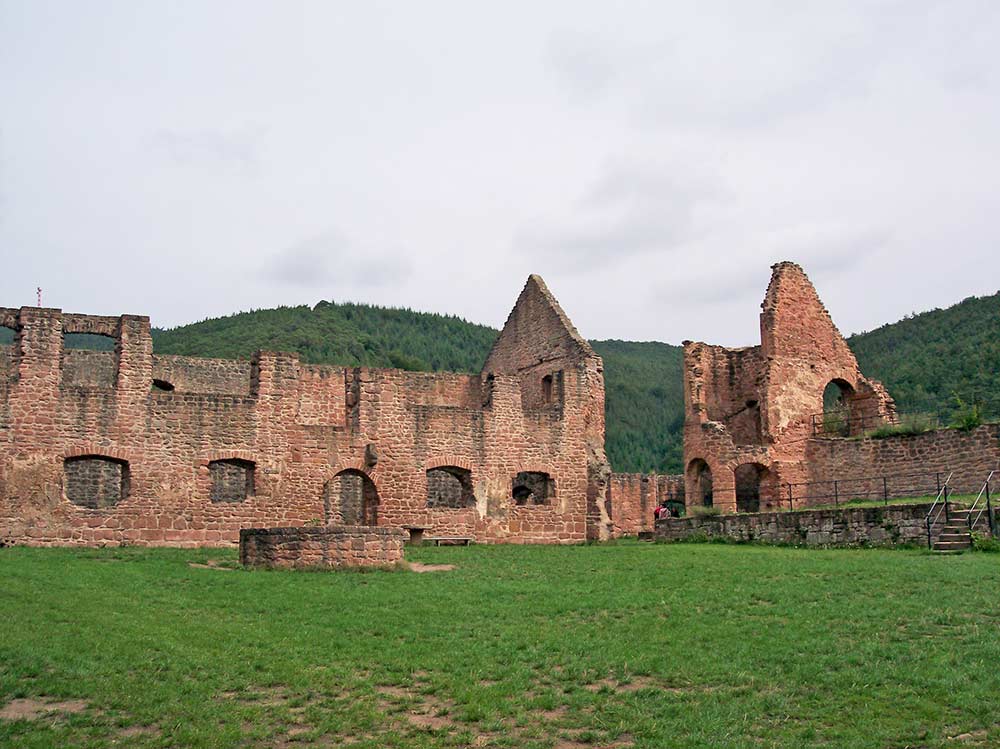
(332, 546)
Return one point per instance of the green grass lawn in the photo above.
(619, 645)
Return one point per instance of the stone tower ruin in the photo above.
(750, 412)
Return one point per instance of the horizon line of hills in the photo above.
(928, 361)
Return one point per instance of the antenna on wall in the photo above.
(39, 292)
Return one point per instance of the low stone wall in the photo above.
(322, 546)
(876, 526)
(632, 497)
(968, 456)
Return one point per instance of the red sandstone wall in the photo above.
(299, 425)
(755, 405)
(632, 497)
(970, 456)
(537, 342)
(331, 547)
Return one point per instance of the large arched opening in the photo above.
(350, 498)
(837, 417)
(700, 477)
(755, 487)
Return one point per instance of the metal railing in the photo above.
(987, 508)
(843, 421)
(864, 488)
(937, 517)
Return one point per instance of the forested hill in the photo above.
(925, 360)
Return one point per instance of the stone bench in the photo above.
(451, 540)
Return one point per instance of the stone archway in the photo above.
(700, 477)
(838, 421)
(350, 498)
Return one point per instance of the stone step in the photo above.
(952, 545)
(947, 551)
(954, 537)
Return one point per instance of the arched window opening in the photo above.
(96, 481)
(837, 421)
(232, 480)
(350, 498)
(756, 488)
(533, 488)
(701, 478)
(449, 487)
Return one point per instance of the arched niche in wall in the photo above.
(700, 475)
(350, 498)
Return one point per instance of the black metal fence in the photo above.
(882, 489)
(842, 423)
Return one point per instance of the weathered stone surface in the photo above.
(754, 406)
(274, 436)
(332, 546)
(894, 524)
(632, 498)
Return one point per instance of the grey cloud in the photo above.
(824, 251)
(631, 209)
(742, 74)
(328, 259)
(211, 149)
(582, 63)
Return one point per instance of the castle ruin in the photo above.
(132, 447)
(750, 412)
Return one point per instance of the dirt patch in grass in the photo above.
(134, 732)
(972, 738)
(29, 709)
(633, 685)
(211, 564)
(421, 567)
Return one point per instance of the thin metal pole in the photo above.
(885, 490)
(836, 494)
(790, 497)
(991, 521)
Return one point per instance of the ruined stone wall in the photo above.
(536, 346)
(869, 526)
(969, 456)
(331, 547)
(187, 442)
(196, 375)
(632, 498)
(750, 411)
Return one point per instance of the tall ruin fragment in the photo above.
(750, 412)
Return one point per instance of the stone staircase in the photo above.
(954, 535)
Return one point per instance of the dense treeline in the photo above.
(349, 334)
(925, 360)
(644, 403)
(931, 360)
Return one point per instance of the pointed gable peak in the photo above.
(793, 318)
(537, 329)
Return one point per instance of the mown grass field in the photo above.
(621, 645)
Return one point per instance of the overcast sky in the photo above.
(650, 160)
